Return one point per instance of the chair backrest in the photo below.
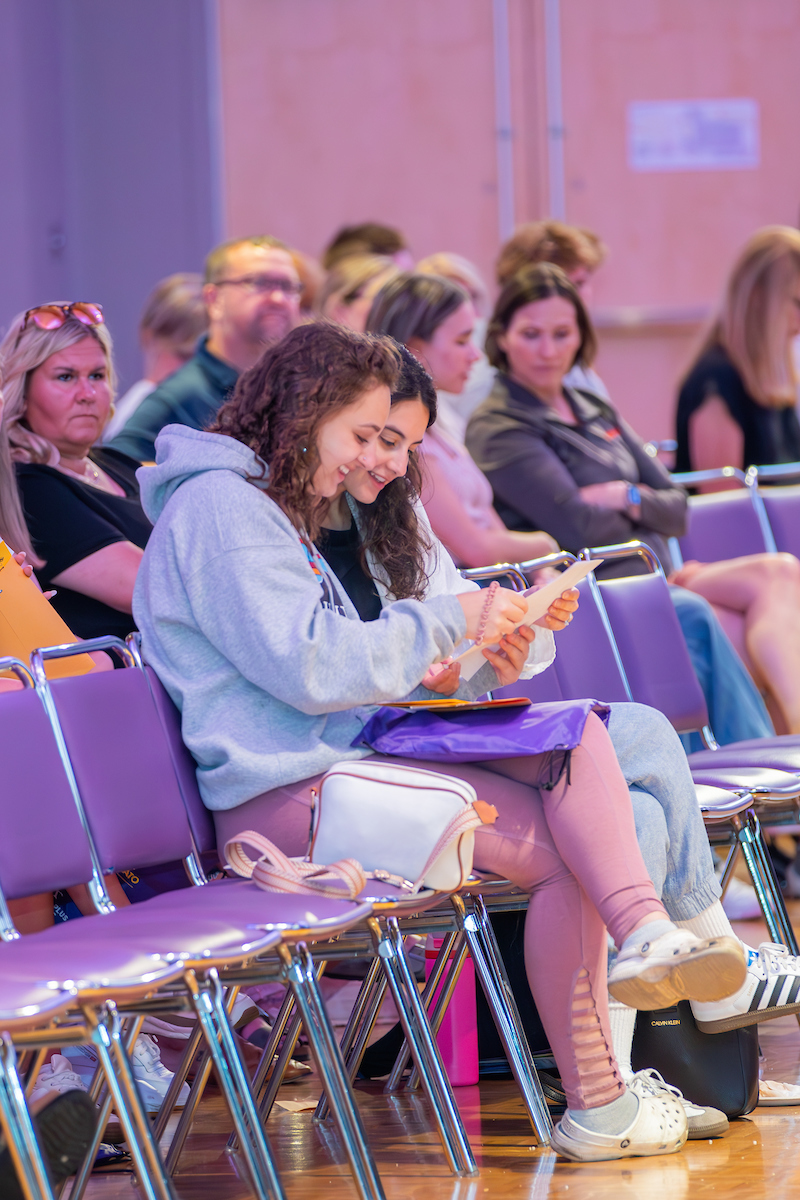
(123, 767)
(585, 666)
(782, 505)
(723, 525)
(185, 767)
(653, 650)
(43, 846)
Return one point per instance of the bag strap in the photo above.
(275, 872)
(472, 816)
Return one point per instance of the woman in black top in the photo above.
(737, 403)
(81, 505)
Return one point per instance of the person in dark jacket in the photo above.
(563, 460)
(252, 292)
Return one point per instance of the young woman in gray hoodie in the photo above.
(275, 675)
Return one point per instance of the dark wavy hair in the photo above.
(278, 406)
(390, 531)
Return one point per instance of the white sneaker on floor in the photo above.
(771, 989)
(677, 966)
(152, 1077)
(701, 1122)
(659, 1127)
(57, 1076)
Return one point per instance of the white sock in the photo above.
(711, 922)
(647, 933)
(622, 1020)
(610, 1118)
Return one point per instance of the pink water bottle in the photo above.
(457, 1038)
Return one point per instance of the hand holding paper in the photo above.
(538, 603)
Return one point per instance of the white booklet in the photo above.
(539, 600)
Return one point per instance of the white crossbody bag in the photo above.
(395, 823)
(400, 822)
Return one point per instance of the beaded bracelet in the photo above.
(490, 594)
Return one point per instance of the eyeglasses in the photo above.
(263, 284)
(53, 316)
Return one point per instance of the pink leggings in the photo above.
(574, 847)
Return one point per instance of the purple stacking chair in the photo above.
(43, 848)
(782, 506)
(473, 932)
(117, 710)
(659, 673)
(728, 524)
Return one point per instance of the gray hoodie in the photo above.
(268, 662)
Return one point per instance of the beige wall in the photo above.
(344, 110)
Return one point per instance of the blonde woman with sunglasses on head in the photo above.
(81, 503)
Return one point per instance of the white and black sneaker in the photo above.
(702, 1122)
(771, 989)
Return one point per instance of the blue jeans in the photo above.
(735, 708)
(669, 827)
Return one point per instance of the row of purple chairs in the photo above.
(746, 520)
(625, 643)
(97, 792)
(110, 787)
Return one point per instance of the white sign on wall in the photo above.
(693, 135)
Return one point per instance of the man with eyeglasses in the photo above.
(252, 293)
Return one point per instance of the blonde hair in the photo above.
(174, 313)
(350, 278)
(21, 353)
(753, 323)
(460, 270)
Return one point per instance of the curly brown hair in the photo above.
(278, 406)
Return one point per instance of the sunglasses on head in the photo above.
(53, 316)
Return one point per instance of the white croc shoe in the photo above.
(677, 966)
(659, 1127)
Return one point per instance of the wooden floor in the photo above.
(759, 1157)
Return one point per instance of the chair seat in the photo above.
(236, 912)
(758, 780)
(718, 804)
(771, 753)
(23, 1003)
(89, 953)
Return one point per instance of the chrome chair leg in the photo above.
(208, 1003)
(359, 1026)
(767, 888)
(26, 1154)
(301, 976)
(389, 946)
(437, 1011)
(395, 1079)
(154, 1183)
(81, 1180)
(179, 1078)
(494, 980)
(190, 1108)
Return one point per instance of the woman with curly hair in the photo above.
(276, 674)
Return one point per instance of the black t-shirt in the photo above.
(69, 520)
(341, 549)
(771, 435)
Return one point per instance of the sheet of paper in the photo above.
(538, 603)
